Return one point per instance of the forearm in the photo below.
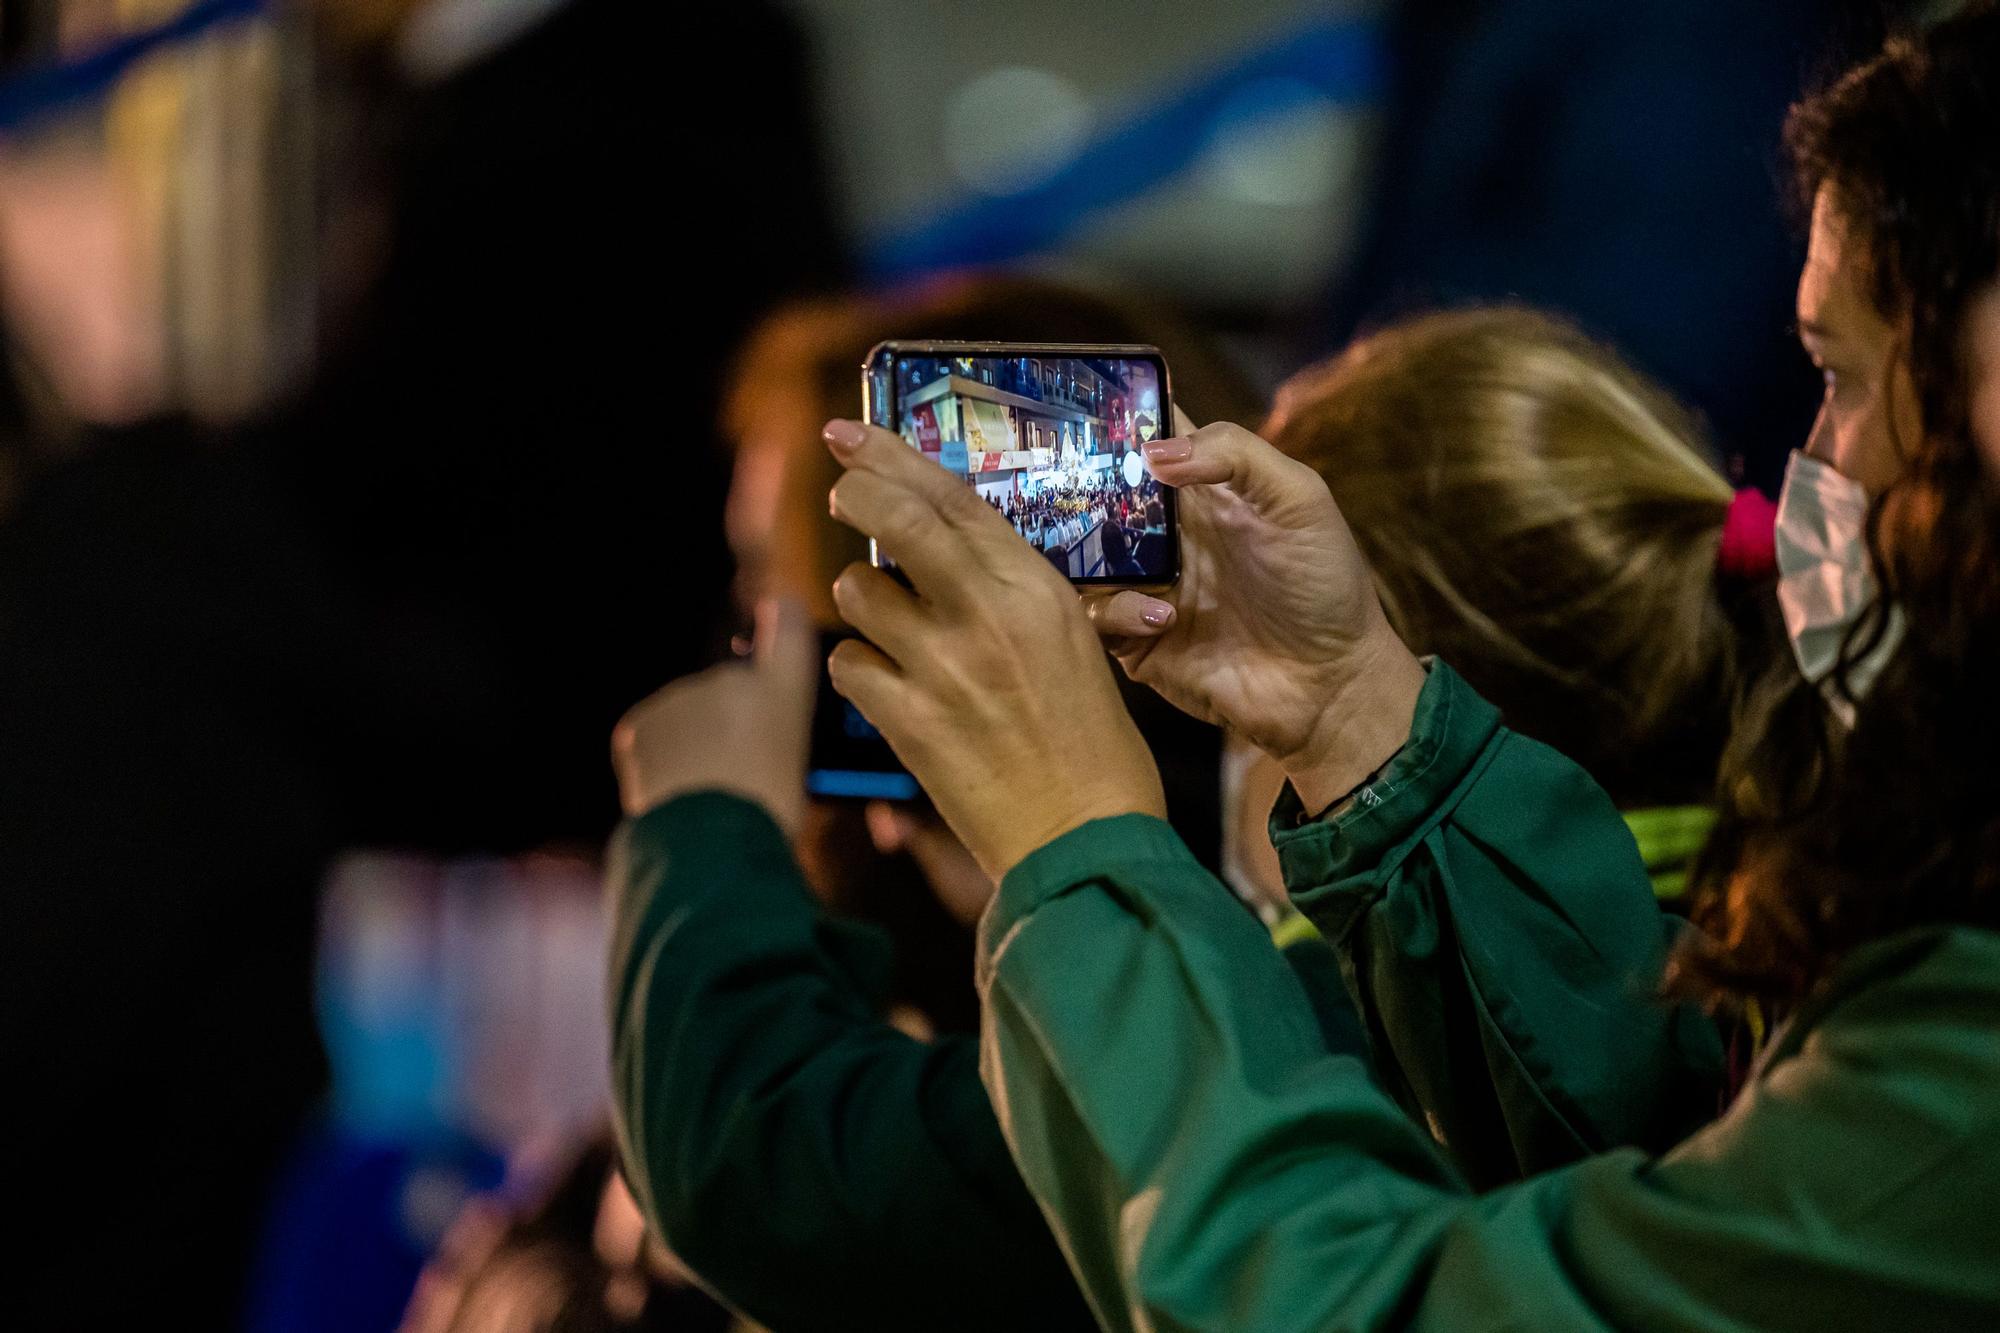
(1160, 1069)
(815, 1166)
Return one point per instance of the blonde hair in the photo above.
(1546, 521)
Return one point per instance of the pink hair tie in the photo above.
(1749, 545)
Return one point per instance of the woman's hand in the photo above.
(741, 727)
(1275, 629)
(987, 678)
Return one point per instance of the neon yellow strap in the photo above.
(1291, 928)
(1668, 838)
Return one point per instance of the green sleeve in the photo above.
(1503, 943)
(1317, 967)
(1208, 1165)
(816, 1167)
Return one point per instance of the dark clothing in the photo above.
(169, 667)
(516, 434)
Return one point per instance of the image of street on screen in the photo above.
(1052, 443)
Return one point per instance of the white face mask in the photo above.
(1824, 579)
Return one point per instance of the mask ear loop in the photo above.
(1878, 630)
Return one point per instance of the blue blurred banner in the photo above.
(1344, 62)
(43, 90)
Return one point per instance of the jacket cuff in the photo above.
(1450, 735)
(706, 828)
(1098, 850)
(709, 817)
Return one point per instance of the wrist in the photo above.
(1138, 799)
(642, 794)
(1366, 719)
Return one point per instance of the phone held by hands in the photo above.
(1049, 435)
(847, 758)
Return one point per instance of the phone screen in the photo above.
(1050, 438)
(849, 760)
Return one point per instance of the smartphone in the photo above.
(1049, 435)
(848, 759)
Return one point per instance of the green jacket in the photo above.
(1503, 940)
(1208, 1165)
(818, 1168)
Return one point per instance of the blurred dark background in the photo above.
(363, 455)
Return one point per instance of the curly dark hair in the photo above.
(1831, 838)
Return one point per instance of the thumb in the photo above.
(1229, 456)
(1183, 424)
(1128, 614)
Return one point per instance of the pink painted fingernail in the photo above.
(1156, 612)
(1170, 450)
(844, 434)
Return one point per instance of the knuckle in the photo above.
(906, 515)
(1033, 593)
(842, 661)
(847, 584)
(1308, 478)
(644, 717)
(961, 502)
(1232, 437)
(1016, 584)
(838, 495)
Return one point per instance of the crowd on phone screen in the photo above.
(1063, 515)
